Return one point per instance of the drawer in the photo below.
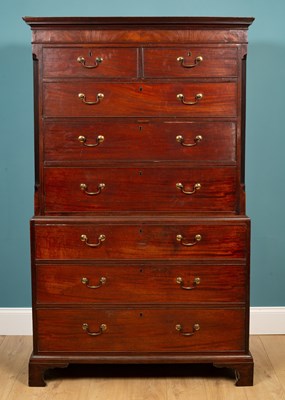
(100, 62)
(185, 62)
(68, 99)
(133, 141)
(144, 330)
(132, 283)
(103, 240)
(140, 189)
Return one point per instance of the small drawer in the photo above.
(97, 99)
(186, 62)
(102, 239)
(99, 62)
(140, 330)
(202, 142)
(69, 190)
(139, 284)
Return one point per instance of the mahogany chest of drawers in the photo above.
(140, 242)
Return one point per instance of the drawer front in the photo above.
(63, 99)
(140, 189)
(133, 141)
(145, 330)
(190, 62)
(123, 283)
(140, 241)
(62, 62)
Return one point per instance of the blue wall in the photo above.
(265, 165)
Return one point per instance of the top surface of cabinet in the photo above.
(113, 21)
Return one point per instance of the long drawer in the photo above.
(94, 99)
(101, 240)
(140, 189)
(139, 283)
(142, 140)
(144, 330)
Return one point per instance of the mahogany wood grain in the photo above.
(163, 63)
(140, 210)
(121, 62)
(139, 284)
(62, 241)
(145, 37)
(140, 189)
(139, 99)
(140, 330)
(61, 62)
(140, 140)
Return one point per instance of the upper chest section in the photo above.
(175, 46)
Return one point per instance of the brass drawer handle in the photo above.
(102, 282)
(83, 140)
(179, 328)
(180, 140)
(82, 61)
(99, 97)
(198, 97)
(84, 189)
(101, 239)
(180, 281)
(197, 61)
(103, 328)
(180, 239)
(196, 187)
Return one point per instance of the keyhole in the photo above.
(140, 128)
(141, 314)
(140, 231)
(140, 173)
(140, 89)
(90, 53)
(189, 54)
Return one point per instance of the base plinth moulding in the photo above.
(242, 366)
